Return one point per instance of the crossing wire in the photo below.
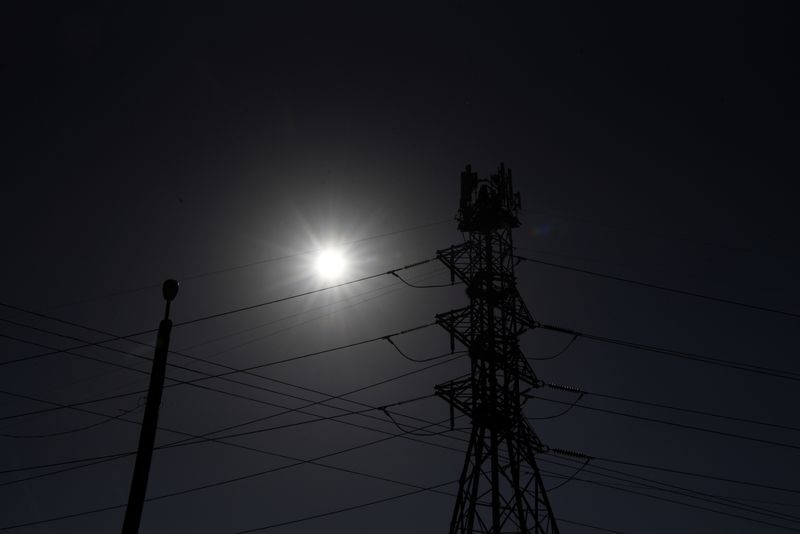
(594, 337)
(225, 375)
(252, 421)
(675, 489)
(183, 354)
(311, 461)
(693, 356)
(687, 504)
(254, 263)
(663, 288)
(711, 510)
(208, 317)
(632, 488)
(674, 408)
(381, 292)
(668, 423)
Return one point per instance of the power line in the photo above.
(208, 376)
(669, 423)
(207, 317)
(285, 408)
(588, 525)
(632, 487)
(342, 510)
(711, 360)
(211, 485)
(253, 264)
(687, 504)
(304, 294)
(557, 354)
(672, 236)
(676, 408)
(310, 251)
(267, 378)
(424, 286)
(693, 474)
(249, 422)
(683, 491)
(183, 354)
(664, 288)
(390, 288)
(568, 479)
(190, 440)
(107, 419)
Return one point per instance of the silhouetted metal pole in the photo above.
(141, 470)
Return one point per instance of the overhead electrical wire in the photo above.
(568, 479)
(687, 504)
(565, 411)
(424, 286)
(254, 263)
(299, 295)
(672, 236)
(249, 422)
(257, 387)
(314, 461)
(693, 474)
(420, 360)
(557, 354)
(43, 435)
(211, 316)
(208, 376)
(711, 360)
(577, 334)
(287, 410)
(642, 490)
(670, 423)
(736, 503)
(192, 439)
(663, 288)
(674, 408)
(183, 354)
(73, 515)
(381, 292)
(297, 462)
(188, 356)
(310, 251)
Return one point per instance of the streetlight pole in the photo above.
(147, 437)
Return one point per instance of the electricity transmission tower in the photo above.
(500, 489)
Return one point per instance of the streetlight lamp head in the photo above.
(170, 289)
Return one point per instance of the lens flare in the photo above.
(330, 264)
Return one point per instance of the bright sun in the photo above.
(330, 264)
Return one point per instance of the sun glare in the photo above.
(330, 264)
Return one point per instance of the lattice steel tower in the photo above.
(500, 489)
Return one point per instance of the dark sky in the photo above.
(220, 145)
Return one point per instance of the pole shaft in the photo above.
(147, 437)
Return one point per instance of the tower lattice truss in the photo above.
(500, 488)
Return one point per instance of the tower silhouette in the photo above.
(500, 488)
